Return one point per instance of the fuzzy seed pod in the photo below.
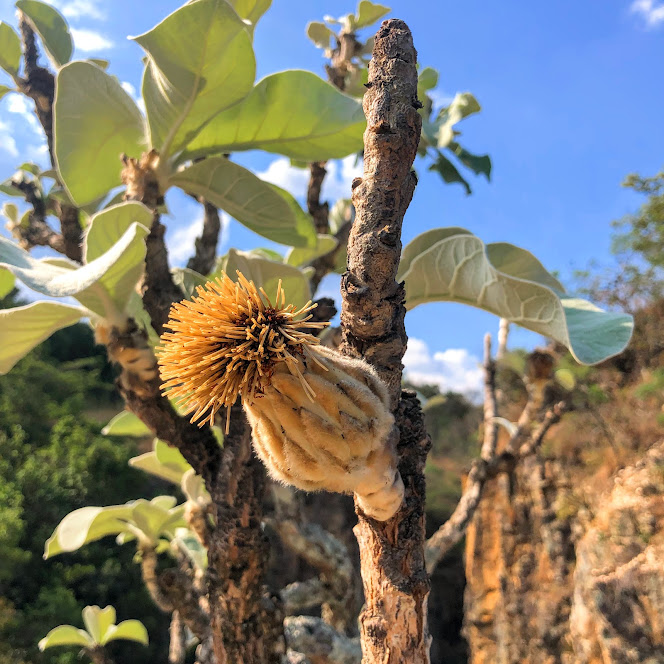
(319, 420)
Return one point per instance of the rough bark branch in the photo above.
(319, 211)
(246, 620)
(490, 403)
(396, 586)
(319, 642)
(38, 84)
(482, 470)
(206, 244)
(177, 647)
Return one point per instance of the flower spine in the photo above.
(320, 420)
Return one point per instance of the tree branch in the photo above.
(206, 244)
(39, 84)
(490, 403)
(319, 211)
(451, 532)
(396, 586)
(319, 642)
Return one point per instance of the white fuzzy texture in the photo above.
(339, 441)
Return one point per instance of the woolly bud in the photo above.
(320, 420)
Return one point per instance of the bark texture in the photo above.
(246, 621)
(206, 245)
(394, 620)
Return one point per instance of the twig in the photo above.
(206, 244)
(38, 83)
(325, 264)
(481, 470)
(178, 635)
(319, 211)
(490, 403)
(319, 642)
(396, 586)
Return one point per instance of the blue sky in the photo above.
(572, 102)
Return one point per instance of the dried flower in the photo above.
(320, 420)
(226, 343)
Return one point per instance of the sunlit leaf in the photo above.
(51, 27)
(368, 13)
(320, 34)
(250, 10)
(95, 122)
(200, 61)
(164, 461)
(260, 206)
(23, 328)
(266, 274)
(66, 635)
(449, 172)
(511, 283)
(294, 113)
(129, 630)
(10, 50)
(126, 424)
(98, 620)
(299, 256)
(6, 283)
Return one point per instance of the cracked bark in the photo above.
(246, 621)
(396, 586)
(39, 85)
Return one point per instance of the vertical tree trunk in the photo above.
(396, 586)
(247, 626)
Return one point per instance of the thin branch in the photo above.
(482, 470)
(319, 642)
(325, 264)
(319, 211)
(38, 84)
(490, 403)
(396, 586)
(177, 648)
(206, 244)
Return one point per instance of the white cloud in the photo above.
(340, 175)
(80, 8)
(653, 13)
(181, 242)
(7, 141)
(453, 370)
(89, 40)
(19, 104)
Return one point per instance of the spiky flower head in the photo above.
(227, 341)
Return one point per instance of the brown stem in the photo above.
(39, 85)
(490, 403)
(206, 245)
(178, 635)
(98, 655)
(246, 622)
(396, 586)
(482, 470)
(319, 211)
(325, 264)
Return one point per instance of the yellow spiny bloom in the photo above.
(226, 343)
(319, 419)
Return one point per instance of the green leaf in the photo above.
(565, 378)
(193, 486)
(477, 163)
(102, 64)
(427, 80)
(164, 461)
(23, 328)
(85, 525)
(66, 635)
(250, 10)
(129, 630)
(200, 62)
(103, 286)
(368, 13)
(299, 256)
(463, 105)
(95, 122)
(448, 171)
(188, 280)
(511, 283)
(126, 424)
(262, 207)
(109, 225)
(341, 213)
(320, 34)
(188, 543)
(266, 274)
(6, 283)
(5, 90)
(97, 621)
(294, 113)
(51, 28)
(10, 49)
